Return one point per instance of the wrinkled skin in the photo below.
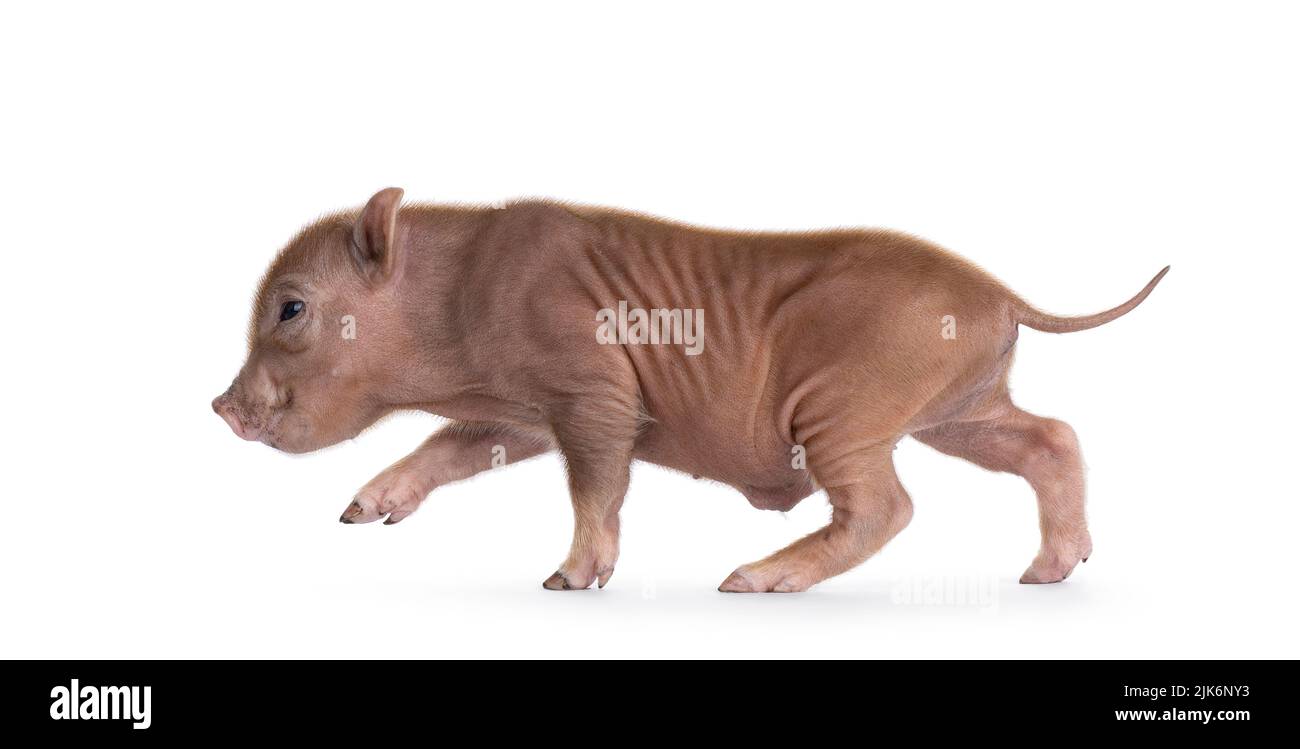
(830, 345)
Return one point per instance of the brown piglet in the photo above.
(777, 363)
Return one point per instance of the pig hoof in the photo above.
(1046, 572)
(1034, 577)
(1053, 566)
(389, 495)
(737, 582)
(349, 515)
(602, 576)
(559, 582)
(746, 580)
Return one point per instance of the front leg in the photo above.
(455, 452)
(596, 440)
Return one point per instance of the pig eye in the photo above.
(290, 310)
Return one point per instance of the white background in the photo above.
(156, 157)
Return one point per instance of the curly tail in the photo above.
(1039, 320)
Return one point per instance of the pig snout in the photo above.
(226, 409)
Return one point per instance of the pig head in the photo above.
(309, 380)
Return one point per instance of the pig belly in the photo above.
(766, 477)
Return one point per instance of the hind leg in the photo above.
(865, 515)
(1043, 451)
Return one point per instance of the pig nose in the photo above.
(222, 406)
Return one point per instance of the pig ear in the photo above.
(374, 236)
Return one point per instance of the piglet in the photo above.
(776, 363)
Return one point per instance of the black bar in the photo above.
(330, 700)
